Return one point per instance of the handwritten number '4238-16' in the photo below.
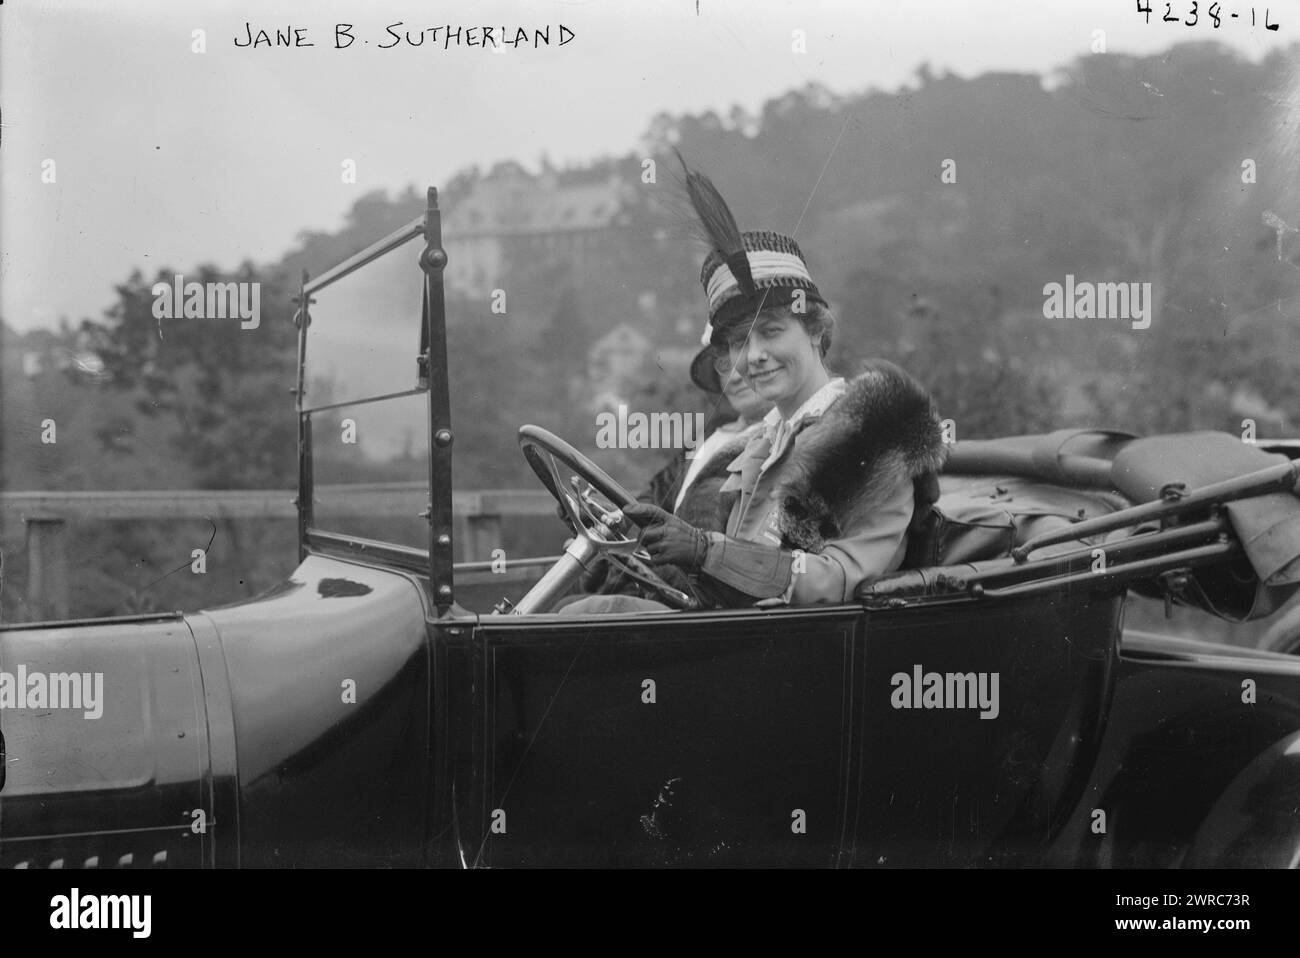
(1214, 12)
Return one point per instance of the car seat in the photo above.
(984, 517)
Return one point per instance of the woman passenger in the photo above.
(821, 497)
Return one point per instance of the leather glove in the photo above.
(668, 539)
(742, 571)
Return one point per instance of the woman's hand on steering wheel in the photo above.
(591, 503)
(667, 538)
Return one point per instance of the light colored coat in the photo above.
(869, 548)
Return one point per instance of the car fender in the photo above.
(1255, 822)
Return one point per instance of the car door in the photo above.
(954, 779)
(720, 738)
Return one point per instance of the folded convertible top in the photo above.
(1076, 457)
(1148, 470)
(1268, 525)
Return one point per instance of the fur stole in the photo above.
(883, 430)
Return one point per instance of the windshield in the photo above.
(365, 331)
(365, 402)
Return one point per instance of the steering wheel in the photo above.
(592, 504)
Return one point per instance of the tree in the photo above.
(220, 389)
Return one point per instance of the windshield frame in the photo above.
(432, 355)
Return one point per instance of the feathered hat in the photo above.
(744, 272)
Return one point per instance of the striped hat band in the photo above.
(769, 269)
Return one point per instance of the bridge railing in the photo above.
(47, 517)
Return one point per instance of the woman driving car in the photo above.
(821, 497)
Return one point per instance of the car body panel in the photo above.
(120, 788)
(755, 719)
(667, 739)
(759, 722)
(1179, 730)
(329, 694)
(948, 787)
(232, 737)
(1256, 821)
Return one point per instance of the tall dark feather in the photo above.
(719, 224)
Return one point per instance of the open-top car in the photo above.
(992, 702)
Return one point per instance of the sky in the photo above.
(166, 156)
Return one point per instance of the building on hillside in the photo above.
(43, 351)
(513, 213)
